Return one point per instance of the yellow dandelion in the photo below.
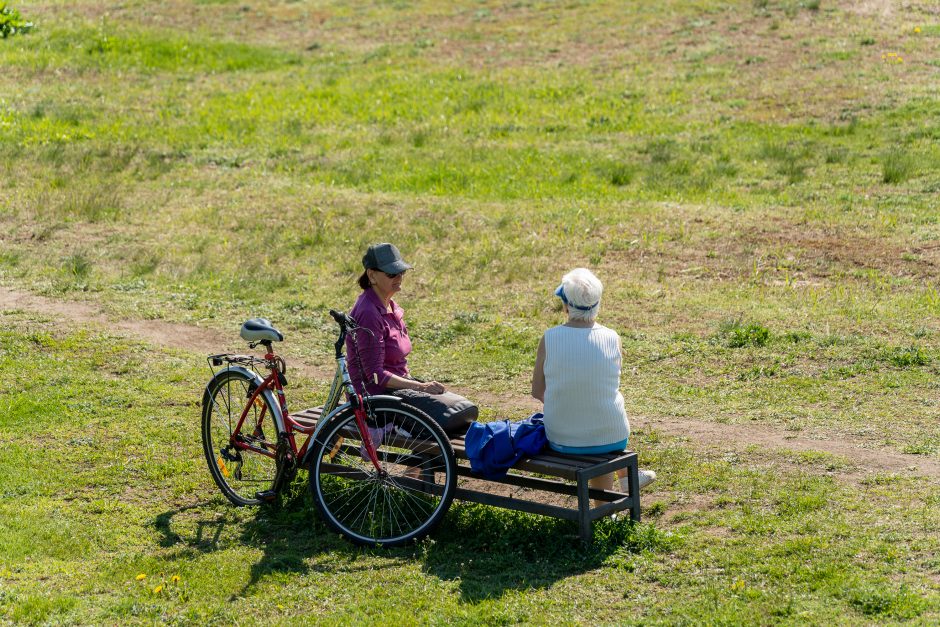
(900, 59)
(917, 29)
(158, 589)
(738, 585)
(141, 577)
(175, 579)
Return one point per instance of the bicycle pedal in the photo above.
(266, 496)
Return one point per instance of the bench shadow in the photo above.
(489, 551)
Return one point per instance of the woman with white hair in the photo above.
(577, 378)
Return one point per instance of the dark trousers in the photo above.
(452, 411)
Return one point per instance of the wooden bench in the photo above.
(549, 472)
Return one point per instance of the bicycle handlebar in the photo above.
(343, 320)
(348, 323)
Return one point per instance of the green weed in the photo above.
(897, 166)
(11, 22)
(735, 334)
(927, 446)
(77, 265)
(617, 174)
(883, 601)
(835, 154)
(907, 357)
(797, 337)
(9, 258)
(95, 205)
(758, 372)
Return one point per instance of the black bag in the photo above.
(452, 411)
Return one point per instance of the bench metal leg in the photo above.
(633, 481)
(584, 509)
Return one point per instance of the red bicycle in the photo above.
(381, 472)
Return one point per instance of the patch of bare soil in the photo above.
(181, 336)
(878, 8)
(865, 459)
(778, 249)
(820, 252)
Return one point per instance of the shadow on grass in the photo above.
(288, 533)
(491, 551)
(488, 551)
(211, 529)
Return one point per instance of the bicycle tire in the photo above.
(370, 509)
(240, 474)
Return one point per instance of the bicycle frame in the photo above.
(288, 425)
(274, 383)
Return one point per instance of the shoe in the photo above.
(646, 477)
(402, 432)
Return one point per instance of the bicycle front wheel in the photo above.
(241, 473)
(402, 501)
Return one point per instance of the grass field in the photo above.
(756, 182)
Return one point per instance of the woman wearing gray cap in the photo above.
(577, 378)
(384, 351)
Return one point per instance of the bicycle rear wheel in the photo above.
(240, 474)
(400, 504)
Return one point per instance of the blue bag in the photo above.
(493, 447)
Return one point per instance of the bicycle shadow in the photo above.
(205, 537)
(289, 535)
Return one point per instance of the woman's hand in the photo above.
(431, 387)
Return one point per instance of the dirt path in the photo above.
(156, 332)
(862, 456)
(865, 458)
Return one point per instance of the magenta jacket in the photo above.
(383, 353)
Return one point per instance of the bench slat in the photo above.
(544, 485)
(506, 502)
(460, 451)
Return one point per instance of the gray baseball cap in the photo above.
(385, 257)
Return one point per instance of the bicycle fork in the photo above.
(360, 414)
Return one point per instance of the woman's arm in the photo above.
(538, 373)
(372, 351)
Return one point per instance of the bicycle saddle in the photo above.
(260, 330)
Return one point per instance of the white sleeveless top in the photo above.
(583, 403)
